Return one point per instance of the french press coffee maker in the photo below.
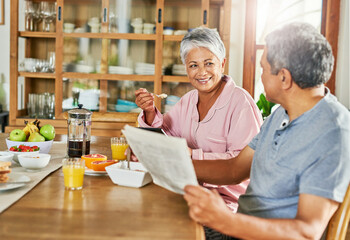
(79, 131)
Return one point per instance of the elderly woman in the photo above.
(218, 119)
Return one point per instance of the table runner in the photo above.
(8, 197)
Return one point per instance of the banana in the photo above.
(31, 127)
(34, 126)
(26, 128)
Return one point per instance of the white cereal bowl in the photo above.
(34, 162)
(6, 156)
(15, 154)
(43, 146)
(137, 176)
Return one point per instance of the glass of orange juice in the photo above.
(73, 173)
(119, 146)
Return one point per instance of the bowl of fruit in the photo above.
(23, 149)
(32, 138)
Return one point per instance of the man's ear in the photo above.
(285, 78)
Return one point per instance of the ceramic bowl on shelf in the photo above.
(6, 156)
(34, 162)
(137, 176)
(126, 102)
(125, 105)
(124, 108)
(44, 147)
(68, 27)
(168, 31)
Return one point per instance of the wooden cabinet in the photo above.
(104, 50)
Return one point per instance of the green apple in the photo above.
(36, 137)
(48, 131)
(18, 135)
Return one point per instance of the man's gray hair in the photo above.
(301, 49)
(202, 37)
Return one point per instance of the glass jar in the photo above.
(79, 132)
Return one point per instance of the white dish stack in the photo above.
(120, 70)
(145, 68)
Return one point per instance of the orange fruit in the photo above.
(101, 165)
(93, 157)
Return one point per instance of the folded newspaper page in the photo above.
(166, 158)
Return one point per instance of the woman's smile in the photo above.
(204, 80)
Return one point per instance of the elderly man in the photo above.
(299, 165)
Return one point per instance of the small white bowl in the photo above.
(34, 162)
(6, 156)
(15, 154)
(68, 27)
(43, 146)
(137, 176)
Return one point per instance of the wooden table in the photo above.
(102, 210)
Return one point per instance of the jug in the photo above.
(79, 132)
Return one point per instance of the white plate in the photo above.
(14, 177)
(91, 172)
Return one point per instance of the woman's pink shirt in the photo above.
(228, 127)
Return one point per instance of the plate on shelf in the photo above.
(91, 172)
(13, 178)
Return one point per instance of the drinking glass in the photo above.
(48, 14)
(39, 65)
(36, 16)
(41, 106)
(29, 11)
(32, 105)
(28, 65)
(73, 173)
(51, 60)
(119, 146)
(50, 105)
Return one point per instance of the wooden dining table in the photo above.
(101, 210)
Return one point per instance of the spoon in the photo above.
(162, 95)
(128, 157)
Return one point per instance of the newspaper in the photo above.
(166, 158)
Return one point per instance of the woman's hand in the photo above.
(133, 158)
(144, 100)
(190, 152)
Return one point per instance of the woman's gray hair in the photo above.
(301, 49)
(202, 37)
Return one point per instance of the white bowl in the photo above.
(137, 176)
(43, 146)
(68, 27)
(15, 154)
(34, 162)
(6, 156)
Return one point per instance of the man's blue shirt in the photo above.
(307, 155)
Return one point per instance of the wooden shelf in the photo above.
(175, 38)
(36, 75)
(37, 34)
(148, 48)
(107, 76)
(168, 78)
(128, 36)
